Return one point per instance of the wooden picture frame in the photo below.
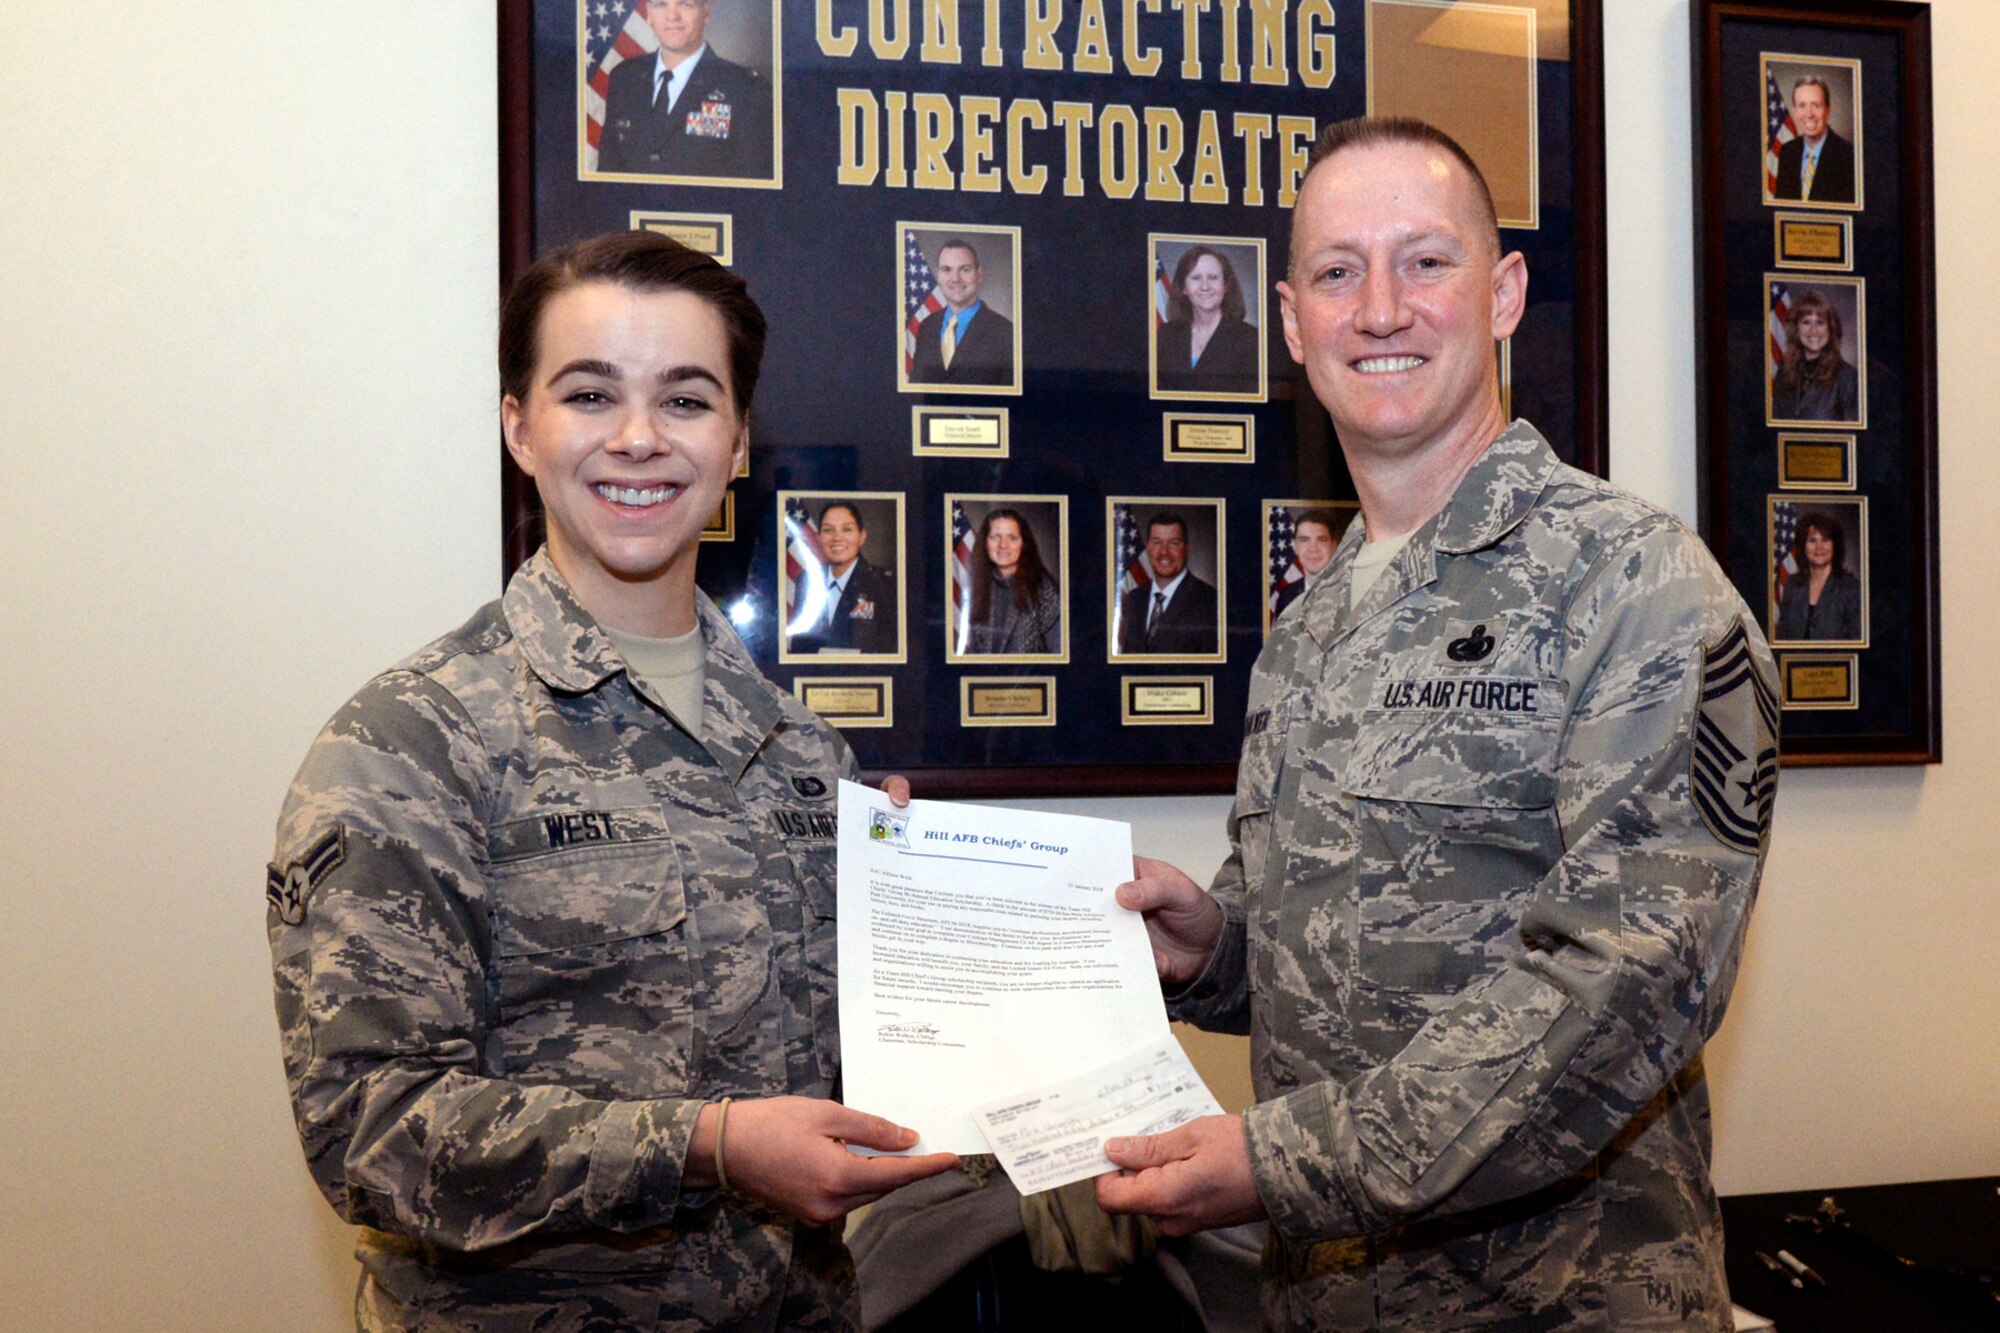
(1816, 358)
(880, 147)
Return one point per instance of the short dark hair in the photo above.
(643, 261)
(1830, 528)
(1381, 131)
(1180, 309)
(1323, 517)
(1167, 518)
(956, 244)
(832, 505)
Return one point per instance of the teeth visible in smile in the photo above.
(632, 495)
(1384, 365)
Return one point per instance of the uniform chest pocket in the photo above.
(591, 956)
(1257, 775)
(1455, 824)
(815, 860)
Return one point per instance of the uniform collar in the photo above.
(743, 708)
(1496, 493)
(559, 639)
(564, 646)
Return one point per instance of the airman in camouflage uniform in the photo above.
(1497, 833)
(1479, 922)
(524, 928)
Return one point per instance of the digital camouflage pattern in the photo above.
(556, 927)
(1478, 926)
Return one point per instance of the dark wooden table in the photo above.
(1951, 1224)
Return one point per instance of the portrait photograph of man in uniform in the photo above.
(686, 110)
(958, 289)
(1503, 802)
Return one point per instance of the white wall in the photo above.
(246, 270)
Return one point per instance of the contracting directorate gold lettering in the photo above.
(904, 140)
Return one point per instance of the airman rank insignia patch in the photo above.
(1734, 773)
(287, 888)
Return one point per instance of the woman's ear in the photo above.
(513, 428)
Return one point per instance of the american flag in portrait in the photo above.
(1285, 567)
(1779, 129)
(614, 31)
(961, 573)
(920, 296)
(801, 540)
(1781, 315)
(1162, 302)
(1131, 551)
(1784, 535)
(802, 554)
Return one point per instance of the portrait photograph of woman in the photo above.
(1819, 585)
(1816, 352)
(1208, 325)
(841, 569)
(1006, 567)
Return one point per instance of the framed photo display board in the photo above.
(985, 233)
(1816, 331)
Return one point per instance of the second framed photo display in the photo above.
(1817, 359)
(1027, 421)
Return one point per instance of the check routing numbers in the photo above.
(935, 141)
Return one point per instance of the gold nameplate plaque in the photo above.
(1166, 701)
(1007, 701)
(959, 432)
(710, 233)
(1191, 438)
(849, 701)
(1819, 680)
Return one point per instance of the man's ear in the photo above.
(1290, 317)
(1510, 294)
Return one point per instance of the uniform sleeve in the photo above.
(379, 938)
(1625, 951)
(1218, 1000)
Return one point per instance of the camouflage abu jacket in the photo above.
(523, 926)
(1495, 843)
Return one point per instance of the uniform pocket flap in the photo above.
(1481, 741)
(589, 894)
(554, 831)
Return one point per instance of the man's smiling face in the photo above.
(1397, 295)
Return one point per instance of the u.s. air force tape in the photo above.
(1459, 694)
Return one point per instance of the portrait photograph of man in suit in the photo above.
(685, 110)
(841, 573)
(1815, 115)
(1165, 575)
(960, 291)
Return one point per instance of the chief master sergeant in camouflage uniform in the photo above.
(1497, 832)
(555, 893)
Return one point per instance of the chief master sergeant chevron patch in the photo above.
(1735, 754)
